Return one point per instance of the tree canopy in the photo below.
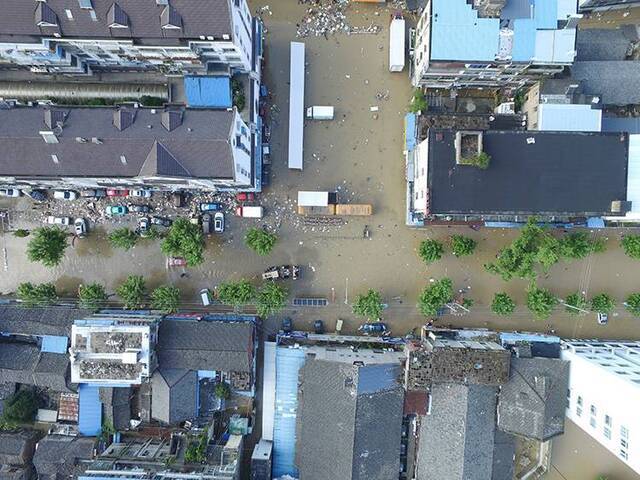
(47, 246)
(223, 390)
(260, 241)
(435, 296)
(575, 304)
(21, 406)
(418, 101)
(540, 301)
(578, 245)
(603, 303)
(462, 246)
(430, 250)
(166, 298)
(271, 298)
(132, 292)
(631, 246)
(368, 305)
(237, 293)
(502, 304)
(632, 304)
(123, 238)
(36, 295)
(92, 296)
(184, 239)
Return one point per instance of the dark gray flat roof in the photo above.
(197, 148)
(561, 173)
(199, 17)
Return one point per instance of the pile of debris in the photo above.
(323, 19)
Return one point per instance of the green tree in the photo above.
(47, 246)
(418, 102)
(166, 298)
(21, 406)
(123, 238)
(236, 293)
(368, 305)
(21, 233)
(578, 245)
(430, 250)
(602, 303)
(184, 239)
(132, 292)
(38, 295)
(260, 241)
(632, 304)
(271, 298)
(575, 304)
(92, 296)
(540, 301)
(631, 246)
(462, 246)
(434, 296)
(548, 253)
(222, 390)
(502, 304)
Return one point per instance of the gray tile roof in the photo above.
(199, 147)
(601, 44)
(616, 82)
(204, 345)
(532, 404)
(39, 321)
(16, 448)
(144, 20)
(357, 428)
(116, 406)
(57, 456)
(456, 441)
(25, 363)
(504, 451)
(174, 393)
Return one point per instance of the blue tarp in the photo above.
(595, 222)
(208, 92)
(89, 410)
(288, 364)
(54, 344)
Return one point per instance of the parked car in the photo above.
(176, 262)
(163, 222)
(143, 226)
(373, 328)
(206, 224)
(10, 192)
(205, 297)
(318, 327)
(212, 206)
(114, 192)
(281, 272)
(139, 208)
(53, 220)
(287, 325)
(177, 199)
(116, 210)
(80, 227)
(218, 222)
(94, 193)
(140, 192)
(245, 196)
(38, 195)
(603, 318)
(65, 195)
(266, 174)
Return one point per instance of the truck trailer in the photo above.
(396, 44)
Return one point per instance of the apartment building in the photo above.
(493, 43)
(80, 36)
(604, 391)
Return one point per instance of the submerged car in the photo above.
(80, 227)
(211, 206)
(140, 208)
(163, 222)
(143, 226)
(373, 328)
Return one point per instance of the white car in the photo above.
(10, 192)
(218, 222)
(142, 193)
(58, 220)
(80, 226)
(65, 195)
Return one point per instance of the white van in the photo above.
(205, 296)
(320, 113)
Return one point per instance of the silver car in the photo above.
(218, 222)
(80, 227)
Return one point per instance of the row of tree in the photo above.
(269, 298)
(183, 239)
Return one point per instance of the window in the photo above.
(624, 433)
(607, 433)
(624, 443)
(592, 422)
(607, 420)
(579, 400)
(579, 411)
(593, 409)
(623, 454)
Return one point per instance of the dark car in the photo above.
(287, 325)
(373, 328)
(163, 222)
(38, 195)
(177, 199)
(94, 193)
(206, 224)
(318, 327)
(266, 174)
(140, 208)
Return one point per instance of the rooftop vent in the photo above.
(123, 159)
(96, 140)
(81, 140)
(117, 17)
(170, 18)
(171, 120)
(162, 2)
(85, 4)
(55, 159)
(54, 118)
(123, 118)
(49, 137)
(45, 16)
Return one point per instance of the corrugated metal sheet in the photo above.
(313, 199)
(54, 344)
(89, 410)
(566, 117)
(208, 92)
(269, 390)
(296, 105)
(288, 364)
(633, 174)
(614, 124)
(410, 131)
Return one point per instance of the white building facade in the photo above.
(604, 394)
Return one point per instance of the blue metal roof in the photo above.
(378, 378)
(458, 34)
(89, 410)
(410, 131)
(623, 124)
(288, 364)
(54, 344)
(208, 92)
(545, 17)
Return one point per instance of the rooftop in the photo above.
(25, 363)
(39, 321)
(554, 173)
(617, 82)
(144, 22)
(57, 456)
(122, 142)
